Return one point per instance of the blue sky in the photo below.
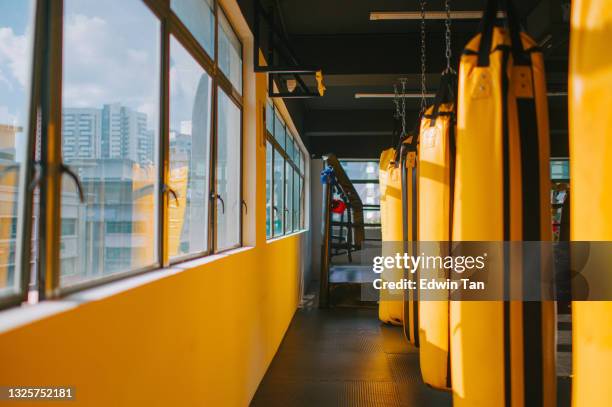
(15, 35)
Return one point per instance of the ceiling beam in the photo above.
(429, 15)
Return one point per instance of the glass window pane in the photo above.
(228, 173)
(371, 216)
(110, 128)
(288, 198)
(199, 18)
(559, 169)
(296, 200)
(269, 155)
(369, 193)
(296, 152)
(302, 162)
(230, 52)
(190, 126)
(302, 204)
(270, 117)
(16, 30)
(279, 130)
(279, 172)
(289, 144)
(361, 169)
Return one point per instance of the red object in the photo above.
(338, 206)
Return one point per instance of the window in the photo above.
(207, 160)
(151, 158)
(297, 180)
(288, 197)
(364, 175)
(199, 18)
(228, 192)
(279, 196)
(269, 118)
(284, 177)
(110, 96)
(190, 128)
(269, 214)
(16, 28)
(279, 130)
(230, 53)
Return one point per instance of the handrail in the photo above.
(334, 178)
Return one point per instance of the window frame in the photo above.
(18, 292)
(295, 169)
(201, 60)
(45, 105)
(213, 186)
(181, 33)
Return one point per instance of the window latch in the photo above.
(246, 208)
(64, 169)
(37, 178)
(172, 192)
(218, 197)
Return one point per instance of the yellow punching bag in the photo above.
(408, 164)
(389, 308)
(435, 185)
(502, 352)
(590, 168)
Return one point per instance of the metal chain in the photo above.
(403, 82)
(396, 102)
(423, 58)
(399, 100)
(447, 35)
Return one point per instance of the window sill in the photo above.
(277, 238)
(13, 318)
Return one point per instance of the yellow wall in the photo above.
(201, 337)
(204, 336)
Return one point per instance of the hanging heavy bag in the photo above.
(436, 162)
(389, 307)
(408, 153)
(590, 168)
(502, 352)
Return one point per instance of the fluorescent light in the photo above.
(429, 15)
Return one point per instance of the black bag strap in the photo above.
(512, 24)
(447, 92)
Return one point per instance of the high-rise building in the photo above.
(112, 132)
(125, 135)
(81, 129)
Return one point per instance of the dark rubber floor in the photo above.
(345, 357)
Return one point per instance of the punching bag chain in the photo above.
(403, 82)
(447, 36)
(399, 100)
(423, 59)
(396, 102)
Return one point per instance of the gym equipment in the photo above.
(409, 174)
(436, 163)
(590, 167)
(389, 309)
(503, 353)
(436, 188)
(338, 206)
(408, 158)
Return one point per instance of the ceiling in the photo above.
(362, 56)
